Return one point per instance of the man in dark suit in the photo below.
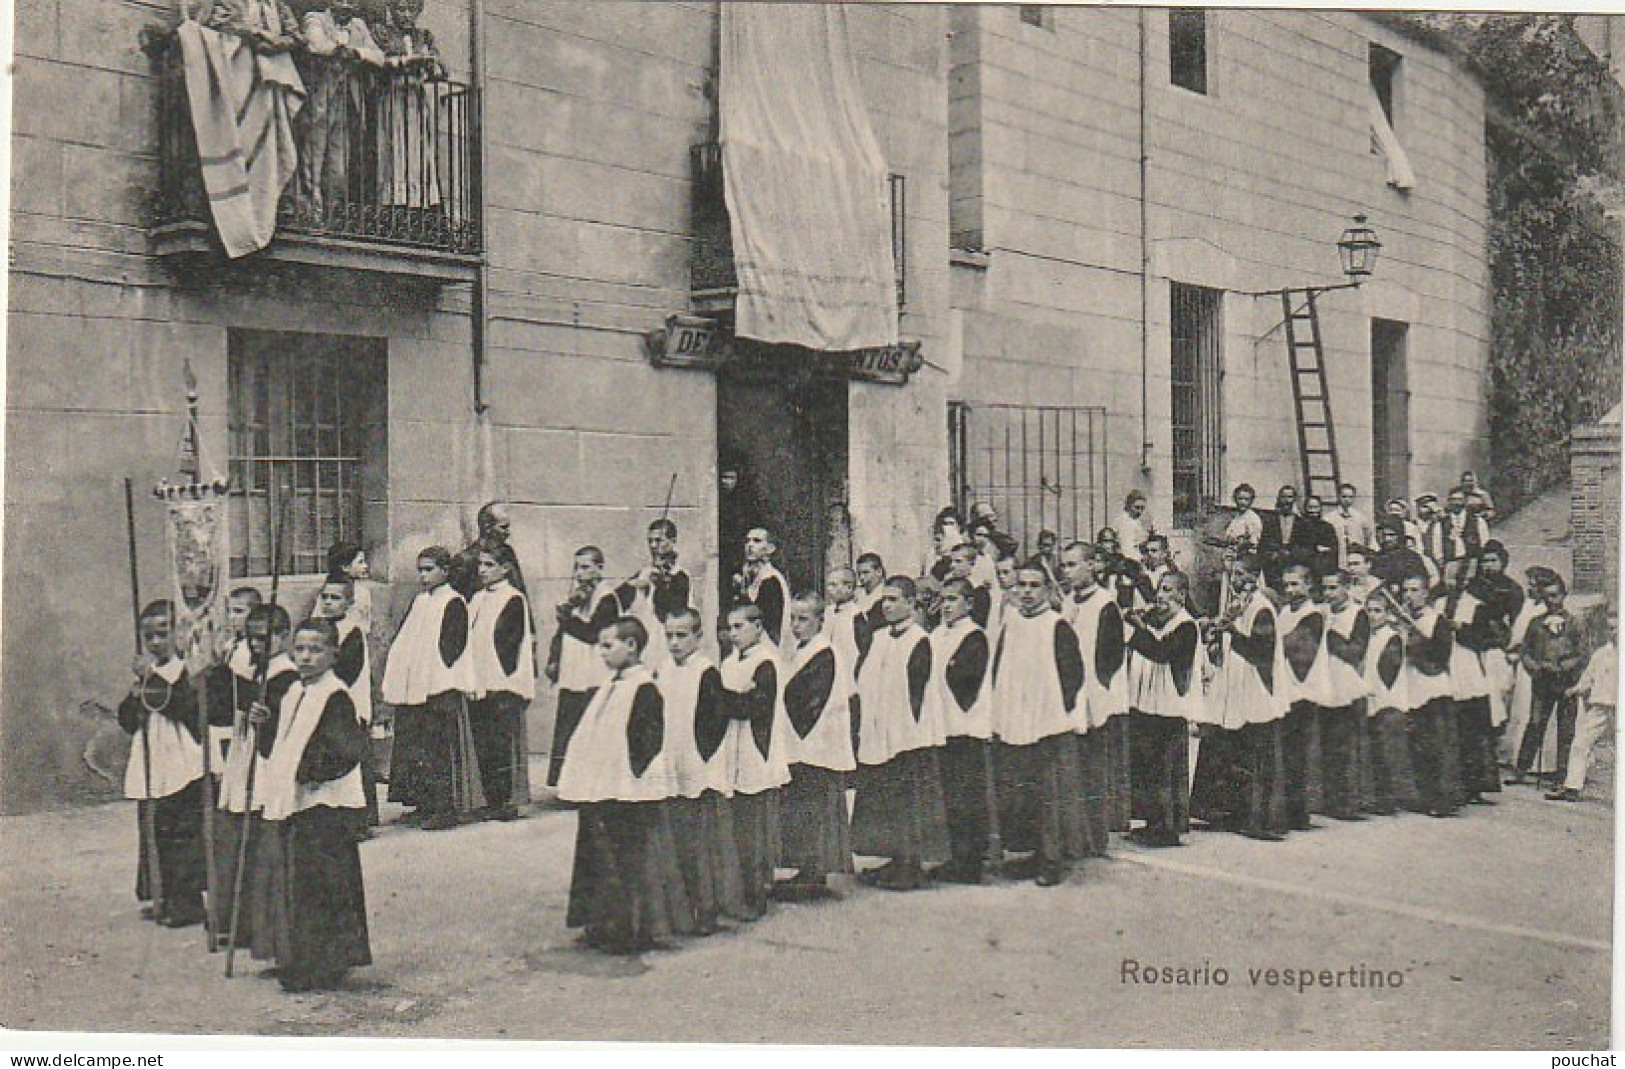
(1314, 540)
(1279, 527)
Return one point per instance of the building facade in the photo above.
(503, 318)
(1142, 292)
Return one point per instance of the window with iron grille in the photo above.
(1196, 371)
(307, 422)
(1041, 467)
(1187, 48)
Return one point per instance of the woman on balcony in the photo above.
(408, 162)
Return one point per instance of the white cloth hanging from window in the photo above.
(805, 181)
(1400, 175)
(243, 105)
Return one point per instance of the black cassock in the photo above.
(317, 916)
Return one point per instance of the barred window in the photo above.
(307, 422)
(1196, 369)
(1041, 467)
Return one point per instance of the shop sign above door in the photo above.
(696, 342)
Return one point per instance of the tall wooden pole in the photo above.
(189, 470)
(144, 808)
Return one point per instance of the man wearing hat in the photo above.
(1400, 509)
(1394, 560)
(1455, 536)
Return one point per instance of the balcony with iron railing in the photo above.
(713, 281)
(388, 171)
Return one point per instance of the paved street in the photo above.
(1498, 924)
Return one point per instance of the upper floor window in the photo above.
(1384, 65)
(1187, 48)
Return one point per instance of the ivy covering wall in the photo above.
(1555, 139)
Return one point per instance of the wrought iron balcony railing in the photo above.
(386, 158)
(712, 275)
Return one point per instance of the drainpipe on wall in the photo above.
(477, 322)
(484, 461)
(1145, 256)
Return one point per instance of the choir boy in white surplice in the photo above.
(1301, 623)
(871, 577)
(1094, 615)
(579, 670)
(1236, 787)
(1348, 634)
(898, 813)
(845, 622)
(314, 812)
(624, 887)
(765, 587)
(702, 774)
(960, 659)
(502, 658)
(659, 589)
(1385, 704)
(816, 837)
(266, 636)
(753, 697)
(231, 681)
(1038, 675)
(1483, 614)
(353, 666)
(1429, 694)
(427, 678)
(1106, 566)
(1004, 594)
(165, 771)
(1165, 695)
(962, 565)
(231, 689)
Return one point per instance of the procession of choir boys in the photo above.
(997, 708)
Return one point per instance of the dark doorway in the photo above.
(1390, 413)
(783, 423)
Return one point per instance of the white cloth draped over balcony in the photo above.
(805, 181)
(242, 104)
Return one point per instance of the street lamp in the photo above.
(1358, 248)
(1306, 358)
